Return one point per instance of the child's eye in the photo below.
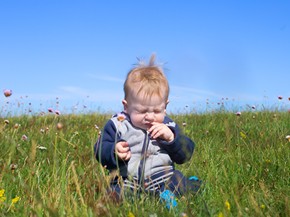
(141, 111)
(157, 111)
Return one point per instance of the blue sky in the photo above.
(81, 51)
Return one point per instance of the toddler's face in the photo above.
(143, 112)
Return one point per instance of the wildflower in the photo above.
(2, 197)
(130, 214)
(253, 107)
(184, 124)
(280, 97)
(220, 214)
(121, 117)
(243, 135)
(227, 205)
(13, 166)
(238, 113)
(6, 121)
(50, 110)
(24, 137)
(16, 126)
(2, 191)
(7, 92)
(57, 112)
(42, 130)
(41, 148)
(263, 206)
(268, 161)
(96, 127)
(288, 138)
(289, 98)
(15, 200)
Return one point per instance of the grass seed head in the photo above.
(59, 126)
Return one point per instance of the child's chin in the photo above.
(145, 127)
(142, 127)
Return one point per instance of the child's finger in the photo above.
(122, 155)
(123, 150)
(128, 156)
(125, 144)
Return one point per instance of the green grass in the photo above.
(242, 160)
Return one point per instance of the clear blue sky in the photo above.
(80, 51)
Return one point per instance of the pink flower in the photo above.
(24, 137)
(280, 97)
(238, 113)
(57, 112)
(50, 110)
(7, 92)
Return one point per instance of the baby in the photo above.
(141, 142)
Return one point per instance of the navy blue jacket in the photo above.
(151, 162)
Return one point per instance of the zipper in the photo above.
(141, 168)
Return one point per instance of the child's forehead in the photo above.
(149, 103)
(145, 97)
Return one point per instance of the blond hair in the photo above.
(146, 79)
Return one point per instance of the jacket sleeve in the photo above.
(105, 147)
(181, 148)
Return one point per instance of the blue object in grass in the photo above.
(194, 178)
(169, 198)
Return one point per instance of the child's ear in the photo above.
(125, 105)
(166, 103)
(166, 106)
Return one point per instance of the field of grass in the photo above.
(47, 167)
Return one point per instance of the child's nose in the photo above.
(149, 116)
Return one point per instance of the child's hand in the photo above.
(123, 151)
(160, 130)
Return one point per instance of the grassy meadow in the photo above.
(47, 166)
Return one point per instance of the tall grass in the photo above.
(242, 160)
